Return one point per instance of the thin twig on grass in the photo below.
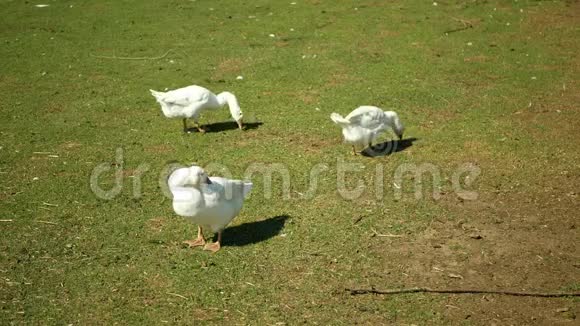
(457, 29)
(177, 295)
(46, 222)
(464, 291)
(388, 235)
(131, 58)
(7, 220)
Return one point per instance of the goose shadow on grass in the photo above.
(224, 126)
(253, 232)
(388, 147)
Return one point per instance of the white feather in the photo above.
(212, 205)
(364, 124)
(189, 102)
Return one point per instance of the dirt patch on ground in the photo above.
(308, 97)
(69, 146)
(162, 148)
(517, 242)
(228, 68)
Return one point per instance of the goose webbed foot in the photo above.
(214, 247)
(199, 241)
(195, 243)
(354, 151)
(199, 128)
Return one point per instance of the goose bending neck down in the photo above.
(363, 125)
(189, 102)
(230, 99)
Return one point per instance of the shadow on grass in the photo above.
(253, 232)
(224, 126)
(388, 147)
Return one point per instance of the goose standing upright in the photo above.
(188, 102)
(208, 202)
(365, 123)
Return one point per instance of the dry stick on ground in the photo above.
(463, 291)
(177, 295)
(46, 222)
(131, 58)
(388, 235)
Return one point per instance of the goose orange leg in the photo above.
(185, 125)
(200, 241)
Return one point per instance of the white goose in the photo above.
(365, 123)
(188, 102)
(208, 202)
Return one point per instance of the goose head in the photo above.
(232, 102)
(399, 131)
(193, 176)
(398, 126)
(197, 176)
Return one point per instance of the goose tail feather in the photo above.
(247, 188)
(338, 119)
(157, 95)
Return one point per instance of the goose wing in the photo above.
(369, 117)
(187, 96)
(228, 189)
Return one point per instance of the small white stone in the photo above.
(435, 4)
(469, 44)
(291, 29)
(240, 78)
(272, 35)
(35, 178)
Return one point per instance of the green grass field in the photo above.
(494, 84)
